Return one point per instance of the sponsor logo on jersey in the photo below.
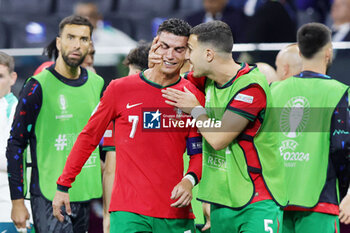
(244, 98)
(128, 106)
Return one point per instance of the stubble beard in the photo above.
(73, 63)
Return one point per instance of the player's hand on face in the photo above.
(19, 214)
(185, 101)
(60, 199)
(344, 210)
(183, 192)
(153, 57)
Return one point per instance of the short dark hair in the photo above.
(8, 61)
(216, 33)
(175, 26)
(75, 20)
(138, 56)
(312, 37)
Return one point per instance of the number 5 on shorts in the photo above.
(267, 222)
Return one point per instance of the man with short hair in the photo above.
(243, 178)
(137, 59)
(53, 108)
(288, 62)
(150, 192)
(312, 111)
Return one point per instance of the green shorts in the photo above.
(307, 221)
(259, 217)
(127, 222)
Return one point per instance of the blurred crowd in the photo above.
(124, 23)
(121, 23)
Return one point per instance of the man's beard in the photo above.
(71, 62)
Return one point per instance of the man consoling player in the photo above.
(245, 185)
(243, 177)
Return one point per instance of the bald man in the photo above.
(288, 62)
(268, 71)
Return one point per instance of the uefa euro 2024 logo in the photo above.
(293, 120)
(294, 116)
(62, 102)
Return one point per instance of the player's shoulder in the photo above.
(186, 83)
(192, 88)
(251, 71)
(125, 81)
(92, 74)
(97, 79)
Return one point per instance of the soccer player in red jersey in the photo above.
(136, 61)
(150, 193)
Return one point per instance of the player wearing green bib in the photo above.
(309, 108)
(243, 177)
(53, 108)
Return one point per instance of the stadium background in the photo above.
(27, 26)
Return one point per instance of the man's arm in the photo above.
(339, 152)
(235, 119)
(85, 144)
(108, 174)
(108, 179)
(232, 124)
(183, 190)
(23, 125)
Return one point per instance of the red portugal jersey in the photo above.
(150, 140)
